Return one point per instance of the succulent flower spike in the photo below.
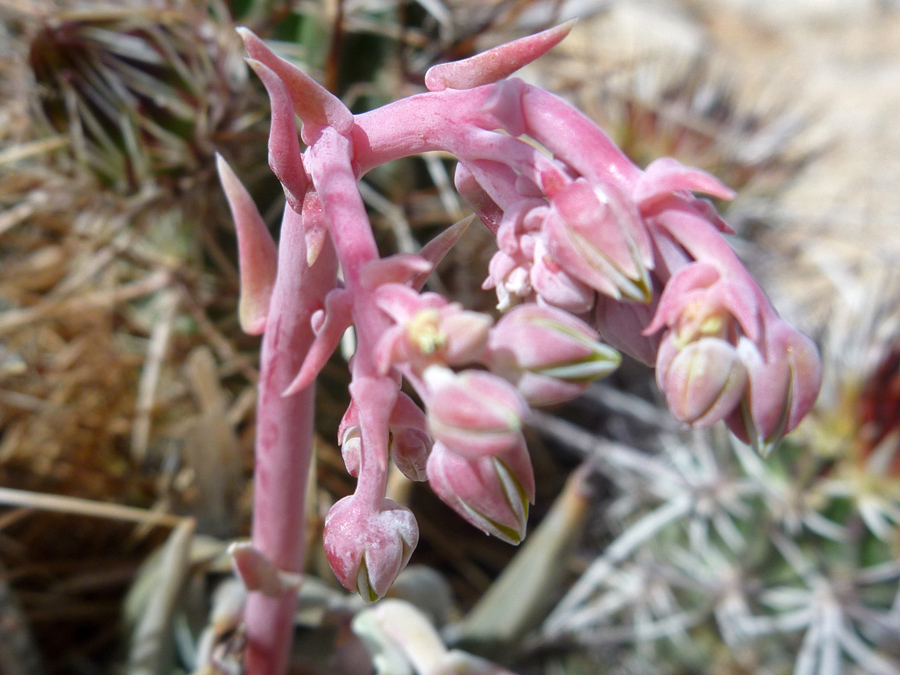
(285, 158)
(548, 354)
(582, 233)
(495, 64)
(474, 413)
(367, 548)
(491, 492)
(257, 255)
(313, 104)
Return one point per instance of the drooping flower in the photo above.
(367, 548)
(548, 354)
(491, 492)
(474, 413)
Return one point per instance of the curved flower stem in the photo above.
(283, 441)
(332, 172)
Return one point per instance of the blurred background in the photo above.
(127, 390)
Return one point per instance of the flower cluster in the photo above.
(590, 246)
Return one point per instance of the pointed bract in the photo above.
(285, 158)
(435, 250)
(497, 63)
(312, 103)
(337, 319)
(400, 268)
(258, 573)
(257, 253)
(665, 176)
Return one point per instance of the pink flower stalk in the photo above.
(589, 246)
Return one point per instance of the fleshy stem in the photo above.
(329, 162)
(283, 441)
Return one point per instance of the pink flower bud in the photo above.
(597, 235)
(557, 288)
(491, 493)
(550, 355)
(761, 419)
(782, 387)
(368, 548)
(350, 439)
(410, 440)
(474, 413)
(702, 382)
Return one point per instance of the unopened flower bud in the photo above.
(368, 548)
(557, 288)
(473, 413)
(466, 335)
(782, 386)
(350, 439)
(597, 235)
(550, 355)
(702, 382)
(491, 493)
(410, 440)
